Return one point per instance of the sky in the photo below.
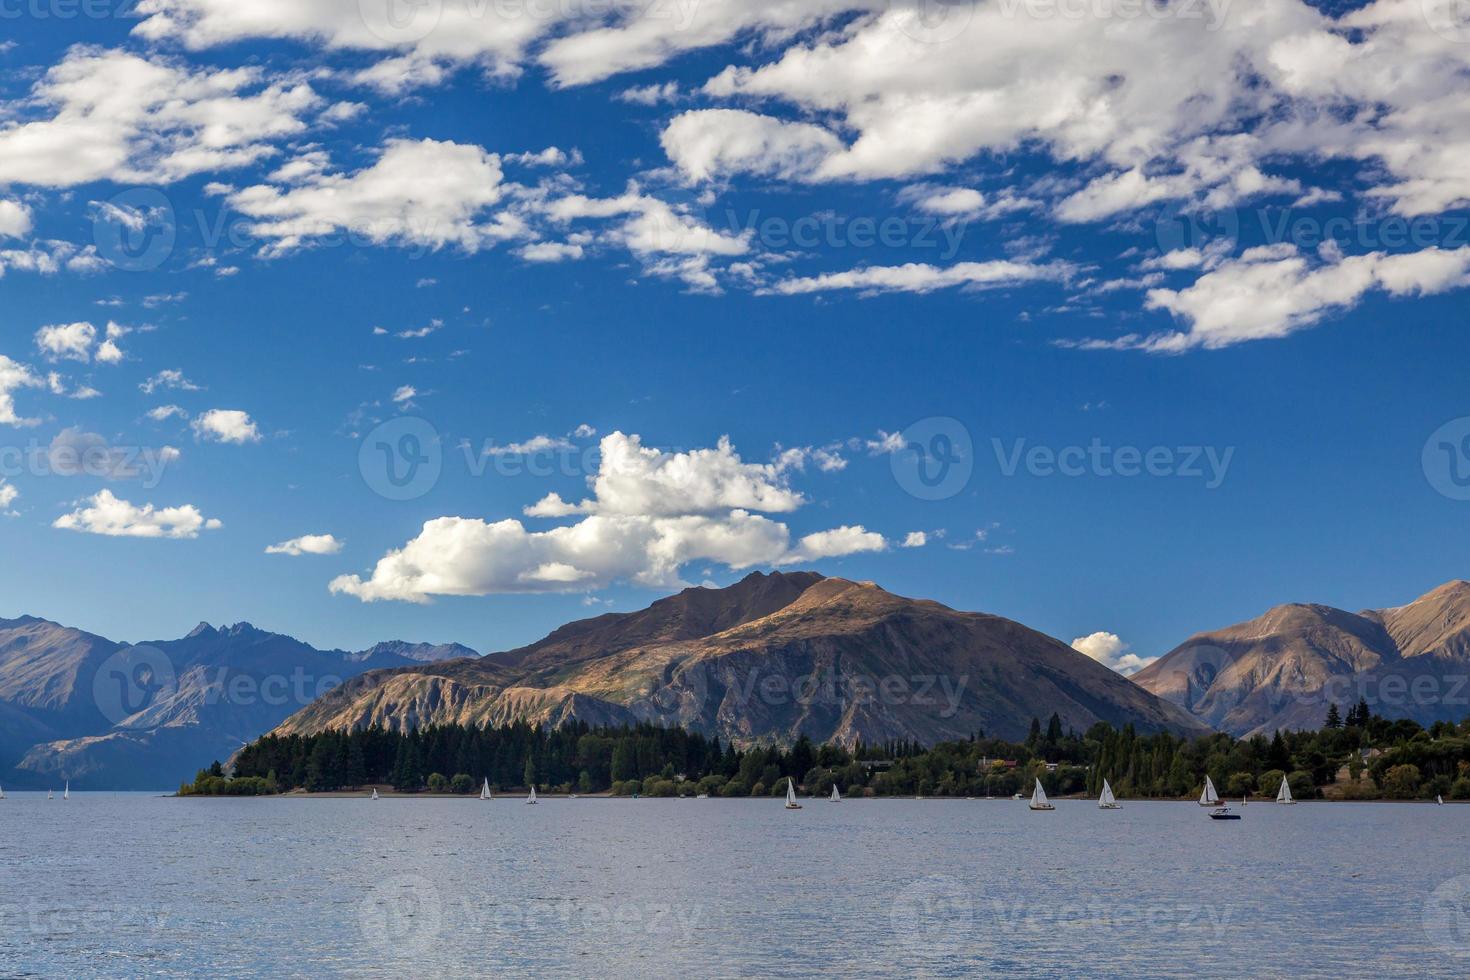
(455, 320)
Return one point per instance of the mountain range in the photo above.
(1282, 669)
(74, 705)
(773, 657)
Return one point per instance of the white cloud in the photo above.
(652, 512)
(584, 431)
(918, 277)
(67, 341)
(226, 425)
(708, 143)
(1109, 650)
(1272, 292)
(165, 412)
(109, 353)
(112, 115)
(915, 539)
(405, 393)
(168, 379)
(14, 376)
(106, 514)
(550, 252)
(535, 444)
(391, 202)
(15, 221)
(8, 496)
(307, 544)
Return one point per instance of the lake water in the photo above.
(132, 885)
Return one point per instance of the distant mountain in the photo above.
(1281, 670)
(773, 657)
(110, 716)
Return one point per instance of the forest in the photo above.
(1353, 756)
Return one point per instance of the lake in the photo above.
(130, 885)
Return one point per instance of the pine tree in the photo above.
(1334, 720)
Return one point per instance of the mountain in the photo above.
(111, 716)
(773, 657)
(1281, 670)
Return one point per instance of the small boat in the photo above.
(66, 792)
(50, 794)
(1438, 799)
(1209, 797)
(485, 790)
(573, 796)
(836, 797)
(702, 796)
(1018, 796)
(532, 798)
(1106, 801)
(1224, 813)
(2, 792)
(1283, 795)
(791, 803)
(1038, 798)
(375, 792)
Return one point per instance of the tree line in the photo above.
(1378, 758)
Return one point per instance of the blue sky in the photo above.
(578, 251)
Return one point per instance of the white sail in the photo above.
(532, 797)
(836, 796)
(50, 794)
(66, 792)
(485, 790)
(1038, 795)
(2, 792)
(1209, 797)
(1283, 795)
(1106, 798)
(1437, 798)
(790, 791)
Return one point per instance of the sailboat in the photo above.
(66, 791)
(2, 792)
(1106, 801)
(51, 794)
(1038, 798)
(485, 790)
(1283, 795)
(1209, 797)
(375, 792)
(836, 797)
(791, 803)
(532, 798)
(1438, 799)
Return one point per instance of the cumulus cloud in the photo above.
(168, 379)
(14, 376)
(915, 539)
(8, 496)
(15, 219)
(112, 115)
(108, 515)
(67, 341)
(393, 201)
(307, 544)
(651, 513)
(707, 143)
(226, 425)
(1110, 651)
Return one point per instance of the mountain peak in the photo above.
(203, 629)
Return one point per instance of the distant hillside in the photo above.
(107, 716)
(773, 657)
(1279, 671)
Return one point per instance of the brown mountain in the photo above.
(770, 658)
(1281, 670)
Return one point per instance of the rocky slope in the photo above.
(772, 657)
(110, 716)
(1281, 670)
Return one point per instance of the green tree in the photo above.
(529, 776)
(1334, 720)
(1401, 782)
